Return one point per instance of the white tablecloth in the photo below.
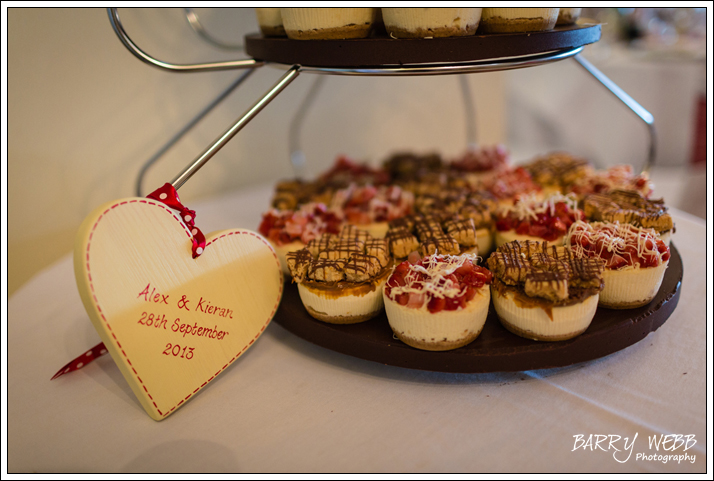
(290, 406)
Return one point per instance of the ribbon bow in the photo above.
(168, 195)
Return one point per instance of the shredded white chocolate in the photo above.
(528, 206)
(614, 238)
(436, 268)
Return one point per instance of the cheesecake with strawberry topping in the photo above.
(510, 184)
(340, 276)
(542, 292)
(439, 302)
(617, 177)
(635, 260)
(537, 220)
(371, 208)
(290, 230)
(481, 164)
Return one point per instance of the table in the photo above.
(290, 406)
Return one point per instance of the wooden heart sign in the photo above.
(171, 322)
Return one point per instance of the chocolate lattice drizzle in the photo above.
(550, 273)
(628, 207)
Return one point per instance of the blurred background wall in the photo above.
(84, 115)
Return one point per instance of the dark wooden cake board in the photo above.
(383, 50)
(496, 349)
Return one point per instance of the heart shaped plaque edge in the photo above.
(82, 260)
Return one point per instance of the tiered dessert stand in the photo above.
(495, 349)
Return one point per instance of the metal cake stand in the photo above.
(380, 56)
(496, 349)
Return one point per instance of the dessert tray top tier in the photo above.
(385, 51)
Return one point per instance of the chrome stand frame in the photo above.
(297, 155)
(152, 160)
(631, 103)
(489, 65)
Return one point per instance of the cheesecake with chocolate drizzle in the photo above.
(630, 207)
(432, 234)
(460, 203)
(542, 292)
(340, 277)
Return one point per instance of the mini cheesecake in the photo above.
(431, 22)
(510, 184)
(479, 165)
(340, 277)
(568, 16)
(544, 293)
(327, 23)
(615, 177)
(461, 203)
(372, 207)
(554, 171)
(630, 207)
(439, 302)
(431, 234)
(510, 20)
(635, 260)
(270, 22)
(537, 220)
(291, 230)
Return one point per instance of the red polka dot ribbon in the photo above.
(81, 361)
(168, 195)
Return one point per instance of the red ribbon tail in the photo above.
(80, 361)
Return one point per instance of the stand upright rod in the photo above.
(297, 155)
(179, 135)
(284, 81)
(631, 103)
(469, 112)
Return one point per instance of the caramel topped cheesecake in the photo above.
(544, 292)
(630, 207)
(340, 277)
(556, 170)
(461, 204)
(432, 235)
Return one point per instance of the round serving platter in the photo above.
(496, 349)
(382, 50)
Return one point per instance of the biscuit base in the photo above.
(332, 33)
(438, 345)
(626, 305)
(272, 30)
(538, 337)
(321, 316)
(515, 25)
(438, 32)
